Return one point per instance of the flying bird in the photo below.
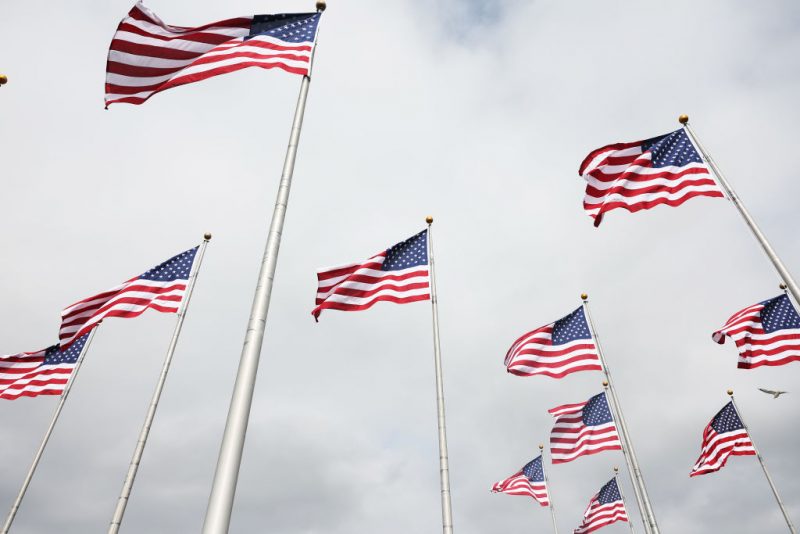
(775, 394)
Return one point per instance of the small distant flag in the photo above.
(605, 508)
(44, 372)
(161, 288)
(527, 481)
(724, 436)
(767, 333)
(556, 349)
(399, 274)
(640, 175)
(148, 56)
(583, 428)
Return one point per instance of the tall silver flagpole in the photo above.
(624, 502)
(639, 489)
(38, 456)
(226, 475)
(783, 272)
(127, 486)
(764, 467)
(549, 492)
(444, 467)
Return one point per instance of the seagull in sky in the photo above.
(775, 394)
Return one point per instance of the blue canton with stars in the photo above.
(779, 314)
(533, 470)
(727, 420)
(176, 268)
(288, 27)
(609, 493)
(596, 411)
(674, 149)
(570, 328)
(54, 356)
(410, 253)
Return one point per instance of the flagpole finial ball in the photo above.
(584, 296)
(783, 286)
(541, 447)
(3, 79)
(616, 470)
(429, 219)
(207, 236)
(321, 6)
(605, 383)
(683, 119)
(730, 392)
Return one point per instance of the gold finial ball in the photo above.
(584, 296)
(3, 79)
(616, 469)
(683, 119)
(605, 383)
(429, 219)
(321, 5)
(541, 447)
(730, 392)
(207, 236)
(783, 286)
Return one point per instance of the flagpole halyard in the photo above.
(127, 486)
(639, 489)
(764, 467)
(444, 467)
(783, 272)
(549, 491)
(38, 456)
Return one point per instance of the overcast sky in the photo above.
(477, 113)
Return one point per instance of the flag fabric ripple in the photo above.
(604, 508)
(583, 428)
(399, 274)
(162, 288)
(767, 333)
(640, 175)
(556, 349)
(527, 481)
(44, 372)
(724, 436)
(148, 56)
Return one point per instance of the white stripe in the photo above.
(357, 301)
(598, 159)
(230, 61)
(174, 44)
(156, 29)
(146, 61)
(363, 286)
(630, 201)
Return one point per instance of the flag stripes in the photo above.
(44, 372)
(724, 436)
(604, 508)
(581, 429)
(528, 481)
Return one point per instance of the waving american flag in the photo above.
(583, 428)
(724, 436)
(604, 508)
(527, 481)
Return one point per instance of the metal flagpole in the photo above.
(549, 493)
(444, 468)
(639, 489)
(624, 503)
(783, 272)
(38, 456)
(127, 486)
(764, 467)
(223, 489)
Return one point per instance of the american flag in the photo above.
(724, 436)
(767, 333)
(634, 176)
(527, 481)
(147, 56)
(556, 349)
(399, 274)
(605, 508)
(161, 288)
(583, 428)
(44, 372)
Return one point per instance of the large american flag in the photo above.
(399, 274)
(583, 428)
(44, 372)
(161, 288)
(148, 56)
(724, 436)
(604, 508)
(556, 349)
(527, 481)
(634, 176)
(767, 333)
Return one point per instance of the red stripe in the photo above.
(138, 71)
(554, 352)
(612, 147)
(633, 208)
(25, 393)
(640, 177)
(37, 376)
(238, 22)
(551, 374)
(585, 453)
(769, 363)
(344, 271)
(624, 191)
(152, 51)
(226, 69)
(194, 36)
(351, 307)
(364, 293)
(370, 279)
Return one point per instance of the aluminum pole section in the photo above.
(624, 502)
(549, 492)
(764, 467)
(15, 507)
(127, 486)
(783, 272)
(444, 467)
(639, 489)
(223, 489)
